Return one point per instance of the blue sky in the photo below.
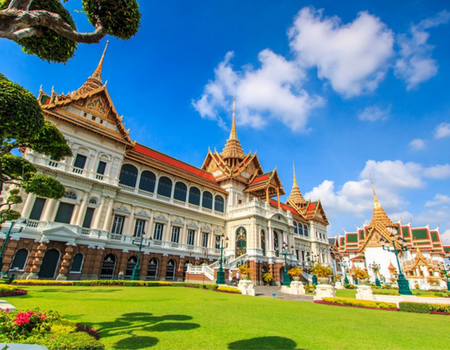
(344, 89)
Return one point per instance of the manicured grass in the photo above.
(187, 318)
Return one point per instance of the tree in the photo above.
(22, 125)
(46, 29)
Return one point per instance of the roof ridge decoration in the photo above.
(296, 196)
(233, 149)
(379, 215)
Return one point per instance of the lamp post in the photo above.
(445, 268)
(5, 242)
(206, 253)
(344, 265)
(135, 275)
(312, 259)
(220, 273)
(286, 279)
(403, 284)
(376, 268)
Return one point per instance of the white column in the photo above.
(108, 217)
(49, 210)
(128, 229)
(82, 209)
(98, 214)
(167, 235)
(150, 229)
(26, 211)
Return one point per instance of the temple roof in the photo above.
(296, 196)
(233, 148)
(379, 216)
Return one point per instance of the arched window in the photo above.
(219, 203)
(300, 229)
(305, 230)
(296, 224)
(152, 269)
(108, 267)
(70, 195)
(170, 270)
(180, 191)
(130, 266)
(128, 175)
(194, 196)
(77, 262)
(263, 242)
(147, 182)
(276, 244)
(20, 259)
(241, 241)
(207, 200)
(165, 186)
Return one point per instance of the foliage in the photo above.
(295, 271)
(310, 289)
(363, 303)
(414, 307)
(349, 286)
(439, 308)
(434, 281)
(121, 18)
(244, 269)
(338, 277)
(44, 328)
(268, 277)
(7, 288)
(360, 273)
(321, 270)
(228, 289)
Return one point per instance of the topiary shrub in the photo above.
(415, 307)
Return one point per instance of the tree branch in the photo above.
(17, 24)
(20, 4)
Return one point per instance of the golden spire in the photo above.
(376, 204)
(296, 196)
(233, 149)
(94, 82)
(379, 215)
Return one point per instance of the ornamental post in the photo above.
(220, 273)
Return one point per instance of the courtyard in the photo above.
(188, 318)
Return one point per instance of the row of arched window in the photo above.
(301, 229)
(147, 182)
(21, 257)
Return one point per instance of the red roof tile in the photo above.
(261, 178)
(173, 162)
(274, 203)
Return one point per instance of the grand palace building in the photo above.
(120, 193)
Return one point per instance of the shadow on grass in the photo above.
(142, 322)
(264, 343)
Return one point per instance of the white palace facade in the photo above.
(118, 190)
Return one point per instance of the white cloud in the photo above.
(353, 57)
(417, 144)
(415, 64)
(442, 130)
(438, 171)
(445, 237)
(274, 90)
(439, 199)
(374, 113)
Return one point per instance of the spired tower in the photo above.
(232, 153)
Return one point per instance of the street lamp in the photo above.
(206, 253)
(5, 242)
(376, 268)
(220, 273)
(445, 268)
(312, 259)
(285, 252)
(344, 265)
(403, 284)
(135, 275)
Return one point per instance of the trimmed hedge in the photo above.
(228, 290)
(361, 303)
(424, 308)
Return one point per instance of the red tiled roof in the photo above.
(283, 206)
(261, 178)
(173, 162)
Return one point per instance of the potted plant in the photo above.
(322, 272)
(295, 273)
(245, 271)
(433, 281)
(361, 275)
(268, 278)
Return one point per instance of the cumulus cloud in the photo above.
(439, 199)
(445, 237)
(417, 144)
(274, 90)
(415, 63)
(353, 57)
(442, 130)
(374, 113)
(438, 171)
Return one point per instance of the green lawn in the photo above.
(187, 318)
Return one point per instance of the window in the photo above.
(158, 232)
(147, 182)
(152, 269)
(217, 242)
(180, 191)
(77, 262)
(92, 201)
(219, 204)
(80, 161)
(117, 227)
(296, 226)
(70, 195)
(88, 217)
(194, 196)
(300, 229)
(64, 213)
(101, 168)
(139, 227)
(205, 239)
(207, 200)
(38, 206)
(128, 175)
(191, 237)
(276, 244)
(175, 234)
(165, 186)
(263, 242)
(305, 230)
(20, 259)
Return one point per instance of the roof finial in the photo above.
(98, 72)
(375, 199)
(233, 133)
(295, 178)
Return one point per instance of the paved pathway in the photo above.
(267, 291)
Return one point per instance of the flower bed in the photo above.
(228, 290)
(358, 303)
(46, 329)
